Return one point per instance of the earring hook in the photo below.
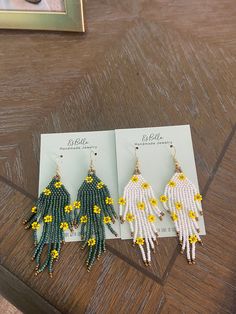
(137, 165)
(58, 172)
(173, 153)
(91, 166)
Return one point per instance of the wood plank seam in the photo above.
(218, 161)
(12, 278)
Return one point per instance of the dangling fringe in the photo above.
(182, 201)
(51, 215)
(94, 211)
(139, 207)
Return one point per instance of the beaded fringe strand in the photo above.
(182, 201)
(139, 208)
(52, 216)
(94, 211)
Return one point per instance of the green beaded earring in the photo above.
(94, 210)
(51, 215)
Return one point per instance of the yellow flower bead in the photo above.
(172, 184)
(174, 216)
(47, 192)
(141, 205)
(178, 205)
(96, 209)
(83, 219)
(192, 214)
(100, 185)
(134, 179)
(77, 204)
(109, 201)
(151, 218)
(68, 208)
(34, 209)
(163, 198)
(89, 179)
(64, 226)
(145, 185)
(35, 225)
(153, 201)
(91, 242)
(47, 218)
(193, 239)
(140, 241)
(54, 254)
(107, 220)
(181, 176)
(130, 217)
(122, 201)
(58, 185)
(197, 197)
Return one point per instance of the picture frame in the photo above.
(71, 19)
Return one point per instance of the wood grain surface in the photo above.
(141, 63)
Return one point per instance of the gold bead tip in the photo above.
(36, 273)
(32, 259)
(181, 252)
(193, 261)
(24, 222)
(160, 218)
(190, 262)
(50, 275)
(122, 219)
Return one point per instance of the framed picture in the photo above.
(57, 15)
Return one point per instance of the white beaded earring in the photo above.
(138, 207)
(182, 201)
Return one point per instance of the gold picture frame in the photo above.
(71, 20)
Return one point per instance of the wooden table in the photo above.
(141, 63)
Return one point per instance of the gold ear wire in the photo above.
(91, 166)
(58, 174)
(173, 153)
(137, 165)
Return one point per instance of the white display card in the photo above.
(157, 165)
(115, 163)
(76, 149)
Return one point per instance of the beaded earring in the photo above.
(51, 215)
(182, 201)
(94, 210)
(139, 208)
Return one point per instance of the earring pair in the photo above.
(139, 207)
(53, 214)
